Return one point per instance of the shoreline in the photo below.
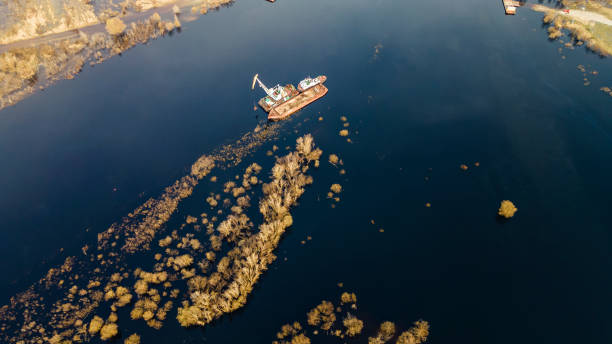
(33, 64)
(590, 28)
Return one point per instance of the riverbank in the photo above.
(588, 24)
(34, 60)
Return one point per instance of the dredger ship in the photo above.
(283, 101)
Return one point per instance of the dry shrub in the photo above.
(234, 227)
(238, 191)
(181, 261)
(123, 300)
(115, 26)
(132, 339)
(348, 298)
(211, 201)
(108, 331)
(353, 325)
(195, 244)
(323, 315)
(336, 188)
(154, 277)
(148, 315)
(289, 330)
(197, 283)
(548, 18)
(227, 187)
(110, 294)
(254, 253)
(165, 241)
(141, 287)
(333, 159)
(507, 209)
(416, 334)
(215, 242)
(136, 313)
(300, 339)
(554, 33)
(385, 333)
(95, 324)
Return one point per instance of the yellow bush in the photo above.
(507, 209)
(108, 331)
(95, 324)
(353, 325)
(132, 339)
(115, 26)
(337, 188)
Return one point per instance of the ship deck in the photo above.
(297, 103)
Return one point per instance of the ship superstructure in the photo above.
(310, 82)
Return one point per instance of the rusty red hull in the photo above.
(297, 103)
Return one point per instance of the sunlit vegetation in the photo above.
(336, 188)
(103, 279)
(507, 209)
(227, 289)
(595, 36)
(95, 325)
(322, 322)
(132, 339)
(384, 334)
(607, 90)
(333, 159)
(348, 298)
(115, 26)
(108, 331)
(416, 334)
(25, 70)
(322, 316)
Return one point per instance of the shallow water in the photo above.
(453, 83)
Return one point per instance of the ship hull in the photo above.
(297, 103)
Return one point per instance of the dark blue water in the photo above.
(453, 83)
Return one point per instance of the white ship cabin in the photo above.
(277, 93)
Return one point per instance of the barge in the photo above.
(510, 6)
(283, 101)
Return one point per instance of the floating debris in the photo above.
(344, 132)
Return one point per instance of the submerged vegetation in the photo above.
(238, 272)
(322, 321)
(80, 299)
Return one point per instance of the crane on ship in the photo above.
(277, 92)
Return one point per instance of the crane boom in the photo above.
(256, 79)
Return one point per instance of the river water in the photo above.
(426, 86)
